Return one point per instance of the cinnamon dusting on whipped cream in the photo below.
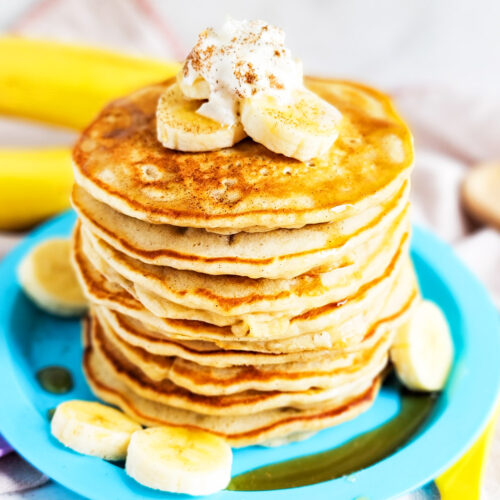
(240, 60)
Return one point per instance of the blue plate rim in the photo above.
(478, 313)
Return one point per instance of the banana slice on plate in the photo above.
(179, 460)
(199, 89)
(48, 278)
(423, 350)
(93, 429)
(180, 127)
(303, 127)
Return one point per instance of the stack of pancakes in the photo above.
(241, 291)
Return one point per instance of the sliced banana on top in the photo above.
(199, 89)
(93, 429)
(48, 278)
(422, 352)
(180, 460)
(180, 127)
(303, 127)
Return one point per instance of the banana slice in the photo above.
(480, 193)
(199, 89)
(423, 350)
(93, 429)
(303, 128)
(180, 127)
(179, 460)
(48, 278)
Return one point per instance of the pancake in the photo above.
(119, 161)
(100, 283)
(229, 295)
(361, 306)
(333, 369)
(403, 294)
(133, 334)
(281, 253)
(166, 392)
(337, 371)
(255, 325)
(243, 430)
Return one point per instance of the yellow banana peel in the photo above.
(65, 84)
(33, 185)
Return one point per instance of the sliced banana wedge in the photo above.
(199, 89)
(93, 429)
(180, 127)
(179, 460)
(304, 127)
(47, 276)
(423, 350)
(480, 193)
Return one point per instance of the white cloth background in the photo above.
(439, 60)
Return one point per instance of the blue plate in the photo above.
(31, 339)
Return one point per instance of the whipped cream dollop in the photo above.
(240, 60)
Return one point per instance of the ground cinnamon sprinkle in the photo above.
(274, 83)
(245, 72)
(200, 56)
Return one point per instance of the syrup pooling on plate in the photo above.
(358, 453)
(55, 379)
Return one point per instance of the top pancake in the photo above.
(120, 162)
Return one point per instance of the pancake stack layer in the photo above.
(241, 291)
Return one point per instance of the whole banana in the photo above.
(34, 184)
(66, 84)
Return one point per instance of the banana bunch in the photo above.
(175, 459)
(303, 127)
(63, 85)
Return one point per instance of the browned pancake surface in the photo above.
(120, 161)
